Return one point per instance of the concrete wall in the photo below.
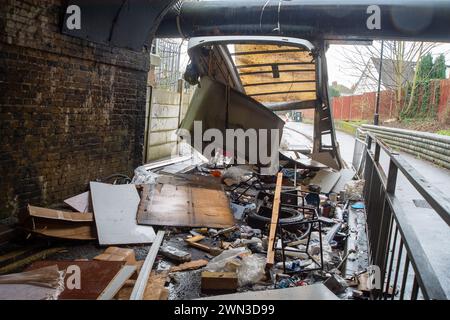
(70, 111)
(164, 120)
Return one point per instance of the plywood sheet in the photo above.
(187, 205)
(115, 208)
(94, 277)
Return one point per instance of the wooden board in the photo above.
(81, 202)
(115, 208)
(219, 280)
(191, 265)
(59, 214)
(274, 221)
(186, 206)
(63, 229)
(94, 277)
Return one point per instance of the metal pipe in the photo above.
(376, 116)
(318, 20)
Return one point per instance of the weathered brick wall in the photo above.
(70, 111)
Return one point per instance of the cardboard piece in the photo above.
(118, 254)
(81, 202)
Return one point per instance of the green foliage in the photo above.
(425, 67)
(439, 67)
(334, 92)
(444, 132)
(426, 94)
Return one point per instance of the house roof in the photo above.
(391, 69)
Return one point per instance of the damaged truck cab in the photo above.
(243, 80)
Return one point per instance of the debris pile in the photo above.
(213, 229)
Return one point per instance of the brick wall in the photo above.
(70, 111)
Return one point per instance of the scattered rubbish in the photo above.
(175, 254)
(336, 284)
(115, 208)
(294, 265)
(332, 232)
(358, 205)
(81, 203)
(354, 190)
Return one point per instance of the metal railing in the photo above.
(393, 243)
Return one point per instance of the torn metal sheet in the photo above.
(115, 208)
(94, 277)
(81, 202)
(219, 107)
(326, 179)
(186, 205)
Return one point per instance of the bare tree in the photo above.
(399, 66)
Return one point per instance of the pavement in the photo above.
(432, 232)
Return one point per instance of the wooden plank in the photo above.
(191, 265)
(142, 280)
(59, 214)
(274, 221)
(63, 229)
(219, 280)
(115, 208)
(211, 250)
(81, 203)
(117, 282)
